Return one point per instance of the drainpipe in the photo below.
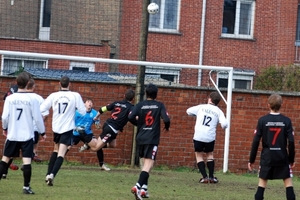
(201, 41)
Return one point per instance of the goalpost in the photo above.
(145, 63)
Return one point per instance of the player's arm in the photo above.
(193, 110)
(165, 116)
(222, 120)
(133, 120)
(37, 117)
(291, 143)
(5, 115)
(255, 143)
(80, 104)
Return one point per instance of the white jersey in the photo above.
(19, 111)
(40, 100)
(64, 104)
(208, 117)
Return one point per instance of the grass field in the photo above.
(86, 182)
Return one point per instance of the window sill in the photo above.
(170, 32)
(237, 37)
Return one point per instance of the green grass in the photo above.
(87, 182)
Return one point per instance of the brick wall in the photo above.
(176, 146)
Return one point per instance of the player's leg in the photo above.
(65, 140)
(10, 150)
(264, 175)
(289, 189)
(199, 151)
(27, 149)
(148, 153)
(4, 166)
(210, 162)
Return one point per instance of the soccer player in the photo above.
(64, 104)
(85, 122)
(11, 165)
(19, 111)
(118, 119)
(278, 149)
(30, 88)
(148, 114)
(207, 118)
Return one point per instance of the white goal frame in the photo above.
(145, 63)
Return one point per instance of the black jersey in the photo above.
(119, 114)
(149, 113)
(278, 147)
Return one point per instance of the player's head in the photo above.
(275, 101)
(151, 91)
(88, 103)
(129, 95)
(22, 80)
(64, 82)
(215, 98)
(30, 85)
(11, 90)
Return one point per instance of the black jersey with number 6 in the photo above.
(149, 113)
(278, 148)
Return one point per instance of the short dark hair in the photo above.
(22, 79)
(129, 95)
(88, 99)
(275, 101)
(151, 91)
(30, 84)
(215, 98)
(64, 82)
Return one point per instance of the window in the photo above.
(11, 65)
(242, 79)
(238, 18)
(298, 28)
(169, 74)
(167, 19)
(82, 66)
(45, 19)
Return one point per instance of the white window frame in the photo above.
(89, 65)
(45, 65)
(164, 70)
(44, 32)
(161, 21)
(246, 75)
(237, 21)
(297, 42)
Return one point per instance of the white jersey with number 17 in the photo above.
(64, 104)
(208, 117)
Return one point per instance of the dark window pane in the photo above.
(223, 83)
(83, 69)
(241, 84)
(229, 16)
(47, 13)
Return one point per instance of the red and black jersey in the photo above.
(119, 114)
(149, 113)
(276, 134)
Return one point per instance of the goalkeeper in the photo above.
(84, 124)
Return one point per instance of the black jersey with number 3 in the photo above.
(149, 114)
(278, 148)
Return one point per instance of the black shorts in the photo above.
(278, 172)
(63, 138)
(147, 151)
(76, 139)
(13, 148)
(36, 137)
(107, 134)
(204, 146)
